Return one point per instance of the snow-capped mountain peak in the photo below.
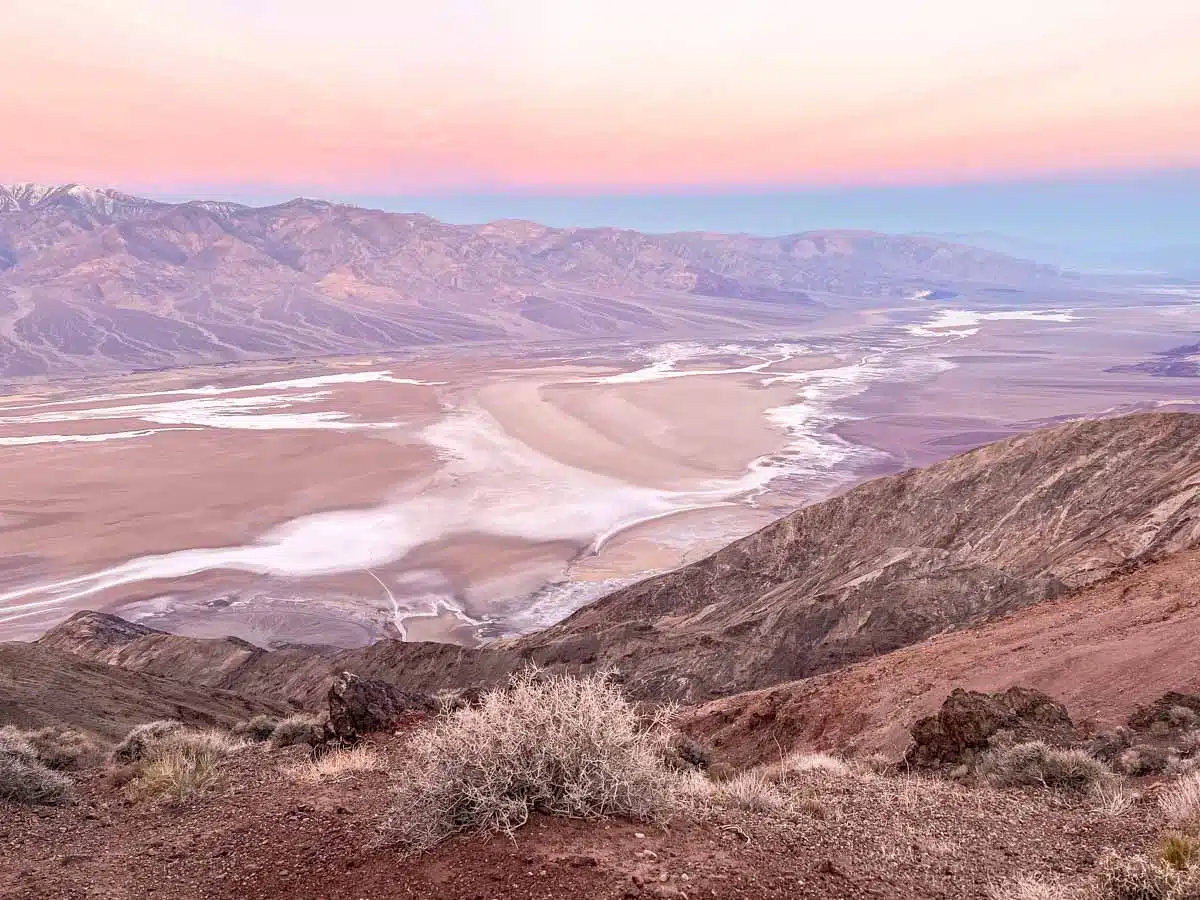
(27, 195)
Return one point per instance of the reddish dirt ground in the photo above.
(260, 834)
(1101, 651)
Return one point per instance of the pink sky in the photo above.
(585, 94)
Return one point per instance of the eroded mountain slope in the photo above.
(1102, 651)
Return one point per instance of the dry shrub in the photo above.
(1182, 717)
(751, 791)
(1179, 851)
(15, 743)
(1026, 887)
(1180, 800)
(1144, 761)
(65, 749)
(1136, 878)
(1189, 744)
(337, 764)
(176, 775)
(1178, 767)
(1112, 797)
(687, 754)
(24, 779)
(553, 744)
(137, 744)
(299, 729)
(807, 763)
(1034, 764)
(259, 728)
(181, 765)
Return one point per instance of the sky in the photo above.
(508, 104)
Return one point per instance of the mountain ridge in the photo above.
(93, 280)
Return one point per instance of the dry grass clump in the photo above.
(24, 778)
(553, 744)
(807, 763)
(752, 791)
(1034, 764)
(56, 747)
(1180, 801)
(1182, 717)
(337, 764)
(1179, 851)
(299, 729)
(1112, 797)
(180, 764)
(1137, 878)
(136, 745)
(1026, 888)
(258, 728)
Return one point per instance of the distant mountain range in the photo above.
(97, 280)
(1181, 261)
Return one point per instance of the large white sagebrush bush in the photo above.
(552, 744)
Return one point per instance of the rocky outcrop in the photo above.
(970, 723)
(1173, 710)
(362, 706)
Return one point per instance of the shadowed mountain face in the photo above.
(96, 280)
(884, 566)
(41, 686)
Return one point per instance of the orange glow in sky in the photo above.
(584, 94)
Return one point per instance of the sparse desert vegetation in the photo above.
(564, 746)
(24, 778)
(1180, 801)
(176, 764)
(137, 744)
(337, 764)
(256, 728)
(298, 729)
(1034, 764)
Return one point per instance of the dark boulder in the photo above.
(970, 723)
(362, 706)
(1171, 711)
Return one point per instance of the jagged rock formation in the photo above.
(362, 706)
(884, 566)
(969, 722)
(96, 280)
